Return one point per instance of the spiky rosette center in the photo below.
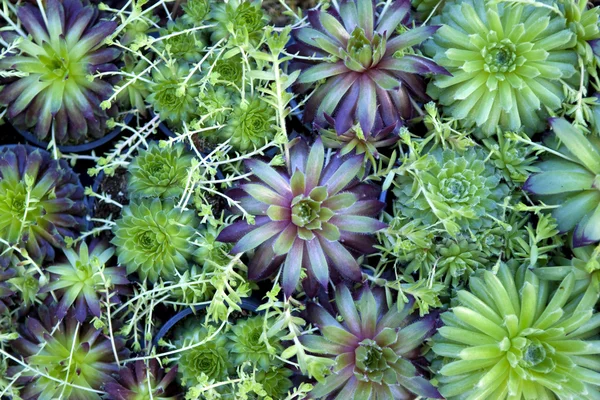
(500, 56)
(364, 53)
(148, 240)
(373, 361)
(305, 212)
(456, 189)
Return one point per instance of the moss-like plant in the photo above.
(41, 202)
(54, 94)
(514, 336)
(84, 279)
(160, 171)
(153, 238)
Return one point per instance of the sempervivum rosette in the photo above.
(307, 220)
(569, 180)
(508, 63)
(154, 238)
(137, 381)
(85, 278)
(371, 72)
(76, 354)
(514, 336)
(374, 349)
(41, 201)
(55, 95)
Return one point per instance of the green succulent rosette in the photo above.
(84, 279)
(159, 171)
(568, 179)
(173, 100)
(211, 358)
(77, 360)
(462, 190)
(514, 336)
(196, 11)
(154, 238)
(182, 42)
(239, 17)
(249, 125)
(246, 343)
(508, 64)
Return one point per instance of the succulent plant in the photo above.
(210, 358)
(138, 381)
(249, 124)
(456, 260)
(246, 343)
(229, 69)
(153, 238)
(77, 360)
(428, 8)
(239, 16)
(275, 381)
(136, 90)
(41, 201)
(306, 220)
(508, 63)
(460, 189)
(160, 171)
(216, 103)
(84, 278)
(170, 98)
(371, 72)
(569, 179)
(6, 289)
(512, 336)
(584, 265)
(195, 11)
(513, 158)
(374, 349)
(188, 46)
(583, 22)
(354, 139)
(65, 46)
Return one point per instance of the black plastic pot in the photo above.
(77, 148)
(249, 304)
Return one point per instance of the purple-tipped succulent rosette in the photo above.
(376, 349)
(371, 74)
(316, 219)
(56, 94)
(42, 201)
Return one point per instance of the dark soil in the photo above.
(9, 136)
(116, 187)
